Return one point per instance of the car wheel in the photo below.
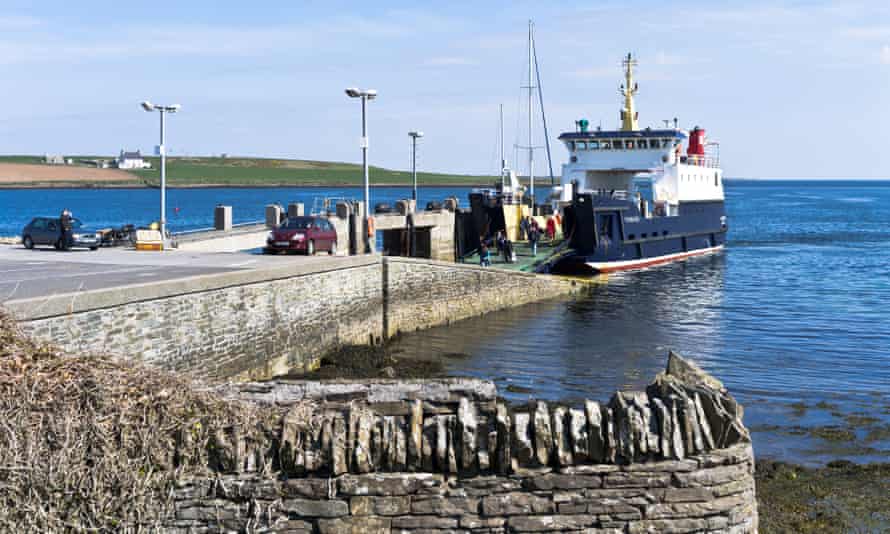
(310, 248)
(333, 251)
(28, 242)
(94, 248)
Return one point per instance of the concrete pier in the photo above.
(240, 316)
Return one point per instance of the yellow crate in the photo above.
(149, 246)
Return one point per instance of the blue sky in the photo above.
(790, 89)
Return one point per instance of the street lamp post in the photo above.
(414, 136)
(163, 110)
(365, 95)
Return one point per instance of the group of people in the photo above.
(529, 230)
(504, 246)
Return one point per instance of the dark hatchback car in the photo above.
(48, 231)
(303, 234)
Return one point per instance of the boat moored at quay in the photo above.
(635, 197)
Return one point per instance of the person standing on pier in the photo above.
(534, 233)
(65, 221)
(484, 256)
(551, 228)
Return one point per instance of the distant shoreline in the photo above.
(227, 186)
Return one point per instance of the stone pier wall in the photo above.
(263, 322)
(423, 293)
(244, 331)
(447, 456)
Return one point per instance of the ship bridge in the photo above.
(635, 151)
(650, 162)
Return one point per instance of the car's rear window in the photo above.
(298, 223)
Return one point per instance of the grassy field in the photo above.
(261, 172)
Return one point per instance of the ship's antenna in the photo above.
(543, 115)
(628, 90)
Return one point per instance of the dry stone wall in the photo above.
(448, 456)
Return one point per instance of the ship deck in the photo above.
(525, 262)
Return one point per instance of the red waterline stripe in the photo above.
(656, 261)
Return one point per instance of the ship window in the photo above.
(594, 145)
(628, 144)
(642, 143)
(580, 145)
(631, 237)
(616, 145)
(643, 236)
(605, 145)
(716, 178)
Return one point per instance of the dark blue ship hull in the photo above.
(609, 234)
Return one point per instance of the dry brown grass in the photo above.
(87, 443)
(24, 173)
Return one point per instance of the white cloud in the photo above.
(885, 55)
(449, 61)
(867, 33)
(14, 22)
(45, 43)
(597, 72)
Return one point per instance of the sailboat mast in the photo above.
(531, 148)
(503, 161)
(543, 115)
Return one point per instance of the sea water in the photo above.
(794, 316)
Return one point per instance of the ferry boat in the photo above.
(636, 197)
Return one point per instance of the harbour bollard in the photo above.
(222, 217)
(295, 209)
(273, 215)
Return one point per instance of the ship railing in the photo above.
(701, 161)
(618, 194)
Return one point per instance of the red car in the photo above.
(303, 234)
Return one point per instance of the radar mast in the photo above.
(628, 89)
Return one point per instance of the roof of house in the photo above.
(131, 155)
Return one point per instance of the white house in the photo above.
(132, 160)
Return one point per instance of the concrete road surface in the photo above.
(46, 271)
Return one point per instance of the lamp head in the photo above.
(353, 92)
(371, 94)
(148, 106)
(174, 108)
(415, 134)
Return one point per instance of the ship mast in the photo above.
(628, 89)
(503, 161)
(531, 88)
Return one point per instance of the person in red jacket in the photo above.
(551, 228)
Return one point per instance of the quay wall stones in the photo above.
(448, 456)
(237, 332)
(422, 293)
(259, 323)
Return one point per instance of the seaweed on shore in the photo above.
(370, 361)
(841, 497)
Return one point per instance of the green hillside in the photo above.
(234, 171)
